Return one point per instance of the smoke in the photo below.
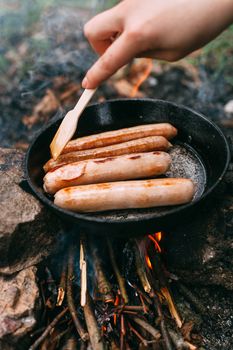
(44, 37)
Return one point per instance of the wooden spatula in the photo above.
(69, 124)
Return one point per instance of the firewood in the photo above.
(48, 329)
(120, 279)
(83, 334)
(92, 326)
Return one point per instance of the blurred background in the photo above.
(44, 56)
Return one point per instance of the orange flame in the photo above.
(142, 77)
(155, 242)
(104, 328)
(158, 236)
(148, 262)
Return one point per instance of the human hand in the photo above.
(167, 30)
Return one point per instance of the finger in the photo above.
(115, 57)
(101, 46)
(103, 26)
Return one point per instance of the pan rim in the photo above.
(87, 217)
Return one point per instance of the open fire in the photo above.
(109, 300)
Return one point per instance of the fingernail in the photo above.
(85, 83)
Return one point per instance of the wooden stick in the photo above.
(62, 285)
(179, 342)
(120, 279)
(83, 270)
(173, 311)
(60, 335)
(122, 334)
(138, 335)
(83, 334)
(130, 308)
(48, 329)
(141, 271)
(163, 328)
(145, 325)
(70, 344)
(104, 286)
(159, 271)
(92, 326)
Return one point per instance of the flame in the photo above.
(157, 246)
(148, 262)
(158, 236)
(143, 76)
(104, 329)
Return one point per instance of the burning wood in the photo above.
(103, 284)
(126, 316)
(120, 279)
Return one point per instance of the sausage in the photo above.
(125, 194)
(146, 144)
(91, 171)
(122, 135)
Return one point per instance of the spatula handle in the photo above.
(84, 99)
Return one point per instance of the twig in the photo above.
(179, 342)
(142, 293)
(159, 271)
(62, 285)
(120, 279)
(140, 337)
(171, 306)
(60, 335)
(141, 271)
(123, 332)
(145, 308)
(36, 331)
(71, 344)
(83, 270)
(130, 308)
(145, 325)
(163, 327)
(48, 329)
(92, 326)
(83, 334)
(103, 284)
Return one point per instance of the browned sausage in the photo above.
(146, 144)
(125, 194)
(122, 135)
(91, 171)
